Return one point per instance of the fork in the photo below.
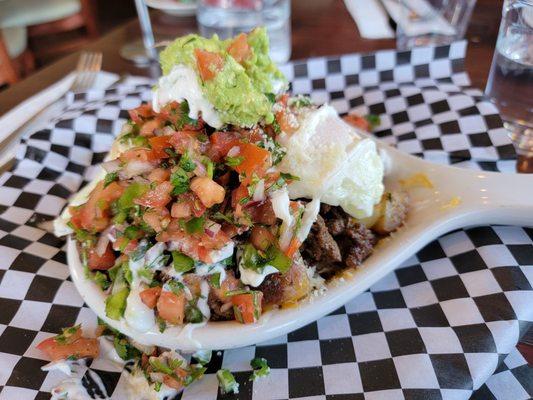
(89, 64)
(87, 68)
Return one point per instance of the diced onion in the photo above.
(102, 243)
(234, 151)
(134, 168)
(111, 166)
(259, 192)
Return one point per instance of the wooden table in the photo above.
(319, 27)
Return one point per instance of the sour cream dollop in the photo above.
(182, 84)
(333, 162)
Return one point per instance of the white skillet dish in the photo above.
(460, 198)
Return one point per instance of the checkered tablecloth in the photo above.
(439, 327)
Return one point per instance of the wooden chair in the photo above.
(51, 17)
(15, 59)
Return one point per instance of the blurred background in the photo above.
(36, 33)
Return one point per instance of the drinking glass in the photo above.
(429, 22)
(228, 18)
(510, 83)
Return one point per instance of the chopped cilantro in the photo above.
(180, 181)
(184, 117)
(110, 177)
(260, 367)
(124, 349)
(215, 280)
(271, 97)
(374, 120)
(186, 163)
(300, 101)
(193, 313)
(175, 287)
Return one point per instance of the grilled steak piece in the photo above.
(337, 242)
(216, 312)
(272, 288)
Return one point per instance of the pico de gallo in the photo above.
(184, 213)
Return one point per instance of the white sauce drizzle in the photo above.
(182, 84)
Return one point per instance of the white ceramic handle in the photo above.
(490, 197)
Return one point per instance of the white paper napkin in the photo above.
(430, 20)
(25, 111)
(371, 19)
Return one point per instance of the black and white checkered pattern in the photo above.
(439, 327)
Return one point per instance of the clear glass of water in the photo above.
(228, 18)
(429, 22)
(510, 83)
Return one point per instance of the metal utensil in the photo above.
(87, 68)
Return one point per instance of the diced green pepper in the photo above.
(160, 366)
(115, 304)
(181, 262)
(227, 382)
(132, 192)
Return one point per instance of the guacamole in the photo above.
(240, 92)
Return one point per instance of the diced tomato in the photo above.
(150, 296)
(227, 285)
(159, 175)
(209, 63)
(173, 113)
(157, 197)
(357, 121)
(214, 242)
(237, 195)
(139, 154)
(255, 160)
(157, 218)
(94, 214)
(184, 140)
(171, 307)
(196, 206)
(262, 238)
(103, 262)
(79, 348)
(239, 49)
(180, 210)
(287, 121)
(221, 143)
(148, 128)
(208, 191)
(158, 145)
(140, 113)
(247, 306)
(262, 213)
(172, 382)
(294, 245)
(125, 245)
